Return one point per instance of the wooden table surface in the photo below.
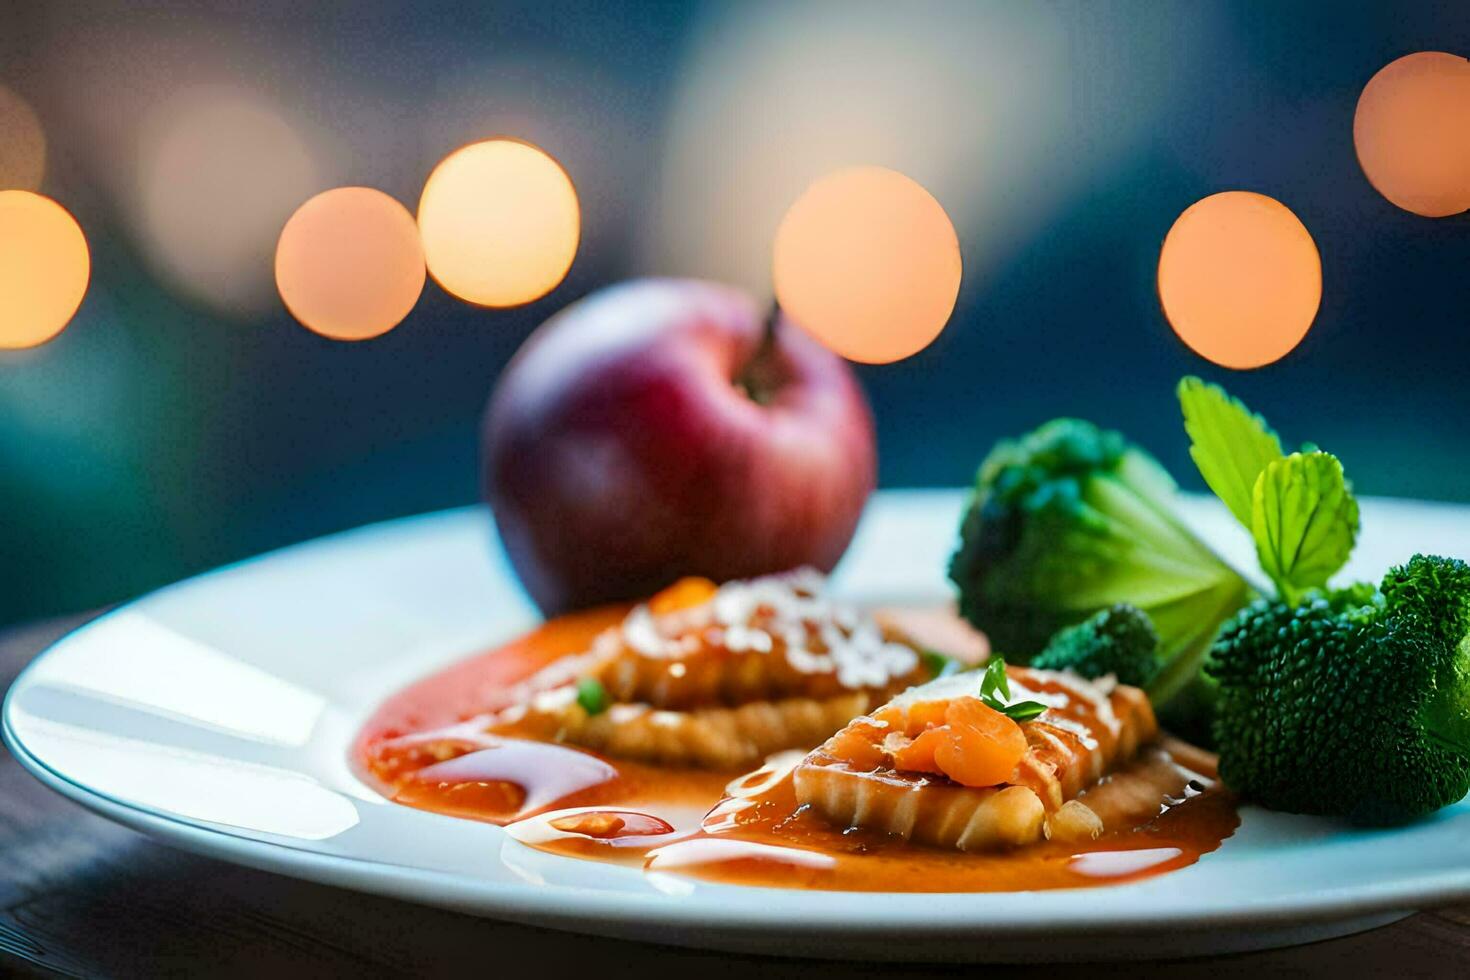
(83, 897)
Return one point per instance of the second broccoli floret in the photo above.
(1120, 641)
(1353, 703)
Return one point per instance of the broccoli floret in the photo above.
(1071, 519)
(1120, 641)
(1353, 703)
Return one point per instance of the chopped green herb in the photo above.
(591, 695)
(939, 664)
(994, 681)
(1023, 710)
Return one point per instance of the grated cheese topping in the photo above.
(783, 615)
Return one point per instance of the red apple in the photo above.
(657, 429)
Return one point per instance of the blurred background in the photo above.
(184, 419)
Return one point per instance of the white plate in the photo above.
(217, 715)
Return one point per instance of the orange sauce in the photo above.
(427, 747)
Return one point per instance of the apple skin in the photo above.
(650, 431)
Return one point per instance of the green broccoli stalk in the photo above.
(1352, 703)
(1070, 520)
(1120, 641)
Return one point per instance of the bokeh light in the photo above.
(220, 173)
(500, 223)
(998, 109)
(597, 120)
(868, 262)
(1412, 131)
(349, 264)
(1240, 279)
(44, 267)
(22, 144)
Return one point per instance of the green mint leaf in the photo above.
(1023, 710)
(1229, 443)
(938, 664)
(1305, 521)
(591, 695)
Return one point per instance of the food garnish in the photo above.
(591, 696)
(1353, 702)
(939, 664)
(1070, 520)
(995, 693)
(1120, 640)
(1298, 508)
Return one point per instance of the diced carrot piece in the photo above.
(981, 747)
(859, 746)
(918, 755)
(683, 594)
(891, 716)
(925, 714)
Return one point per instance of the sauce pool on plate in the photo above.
(428, 747)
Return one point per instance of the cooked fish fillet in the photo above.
(1088, 729)
(714, 674)
(713, 738)
(722, 676)
(697, 645)
(920, 808)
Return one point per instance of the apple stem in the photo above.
(768, 339)
(757, 381)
